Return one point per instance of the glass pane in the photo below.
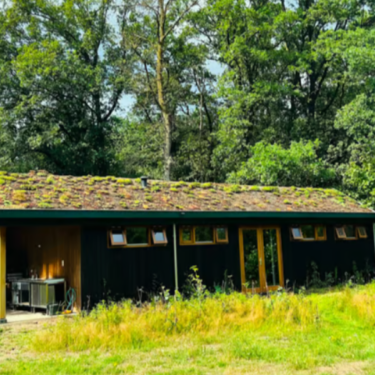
(362, 231)
(350, 231)
(250, 245)
(117, 237)
(159, 236)
(186, 235)
(137, 236)
(308, 232)
(320, 232)
(296, 233)
(340, 232)
(203, 234)
(221, 234)
(271, 257)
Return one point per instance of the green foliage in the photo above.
(298, 165)
(64, 73)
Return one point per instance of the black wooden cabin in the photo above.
(111, 238)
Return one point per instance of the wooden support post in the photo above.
(2, 275)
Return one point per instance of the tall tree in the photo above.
(66, 72)
(165, 57)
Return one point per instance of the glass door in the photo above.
(260, 259)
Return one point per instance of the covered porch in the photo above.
(38, 265)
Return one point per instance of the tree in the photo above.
(279, 84)
(167, 62)
(66, 72)
(271, 164)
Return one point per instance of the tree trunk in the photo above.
(161, 95)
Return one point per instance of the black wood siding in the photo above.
(128, 269)
(123, 270)
(213, 261)
(329, 255)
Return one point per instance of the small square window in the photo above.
(117, 237)
(296, 233)
(350, 231)
(137, 236)
(320, 233)
(221, 234)
(159, 236)
(362, 232)
(186, 235)
(204, 235)
(340, 232)
(308, 232)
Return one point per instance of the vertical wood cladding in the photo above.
(43, 249)
(331, 255)
(122, 272)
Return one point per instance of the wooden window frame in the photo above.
(316, 237)
(186, 243)
(292, 234)
(127, 245)
(193, 241)
(226, 239)
(148, 244)
(155, 242)
(339, 236)
(204, 242)
(346, 238)
(111, 238)
(359, 233)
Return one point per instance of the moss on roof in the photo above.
(40, 190)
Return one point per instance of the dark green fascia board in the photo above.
(102, 214)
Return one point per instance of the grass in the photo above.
(330, 332)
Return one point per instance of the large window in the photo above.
(203, 235)
(350, 232)
(308, 233)
(137, 237)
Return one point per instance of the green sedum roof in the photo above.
(43, 191)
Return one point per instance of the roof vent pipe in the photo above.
(144, 181)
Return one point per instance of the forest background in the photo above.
(255, 92)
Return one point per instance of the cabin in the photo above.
(114, 238)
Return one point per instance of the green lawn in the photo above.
(331, 332)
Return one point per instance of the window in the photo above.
(320, 233)
(117, 237)
(137, 237)
(362, 232)
(159, 236)
(340, 232)
(203, 235)
(297, 233)
(309, 233)
(221, 235)
(186, 235)
(350, 232)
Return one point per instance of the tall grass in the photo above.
(124, 325)
(217, 317)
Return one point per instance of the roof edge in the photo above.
(108, 214)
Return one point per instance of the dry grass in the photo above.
(331, 332)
